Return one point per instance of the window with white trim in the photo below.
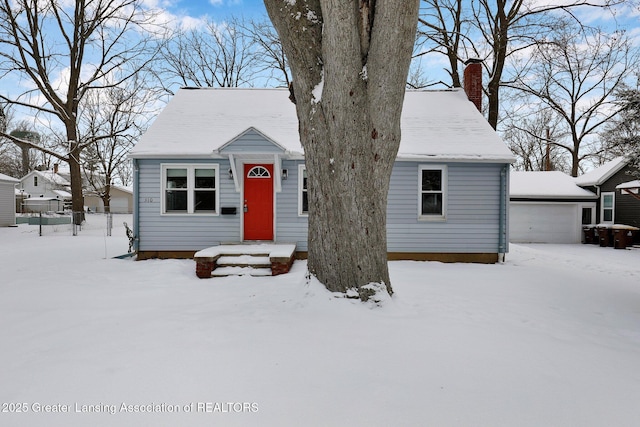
(303, 196)
(432, 187)
(607, 206)
(190, 189)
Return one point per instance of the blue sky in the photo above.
(218, 9)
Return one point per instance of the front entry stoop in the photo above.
(236, 260)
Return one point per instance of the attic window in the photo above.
(35, 181)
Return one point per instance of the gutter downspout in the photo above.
(502, 218)
(136, 205)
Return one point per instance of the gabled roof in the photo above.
(601, 174)
(268, 144)
(49, 176)
(436, 125)
(549, 185)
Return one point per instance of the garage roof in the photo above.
(546, 185)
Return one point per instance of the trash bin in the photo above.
(623, 236)
(589, 234)
(604, 234)
(620, 239)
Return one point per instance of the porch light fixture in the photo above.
(285, 174)
(230, 173)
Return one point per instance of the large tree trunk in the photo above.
(349, 61)
(75, 172)
(106, 196)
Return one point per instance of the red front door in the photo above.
(258, 202)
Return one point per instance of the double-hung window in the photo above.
(303, 196)
(607, 207)
(432, 187)
(190, 189)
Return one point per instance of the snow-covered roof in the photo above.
(123, 188)
(599, 175)
(62, 194)
(552, 185)
(629, 184)
(7, 178)
(50, 176)
(437, 125)
(40, 200)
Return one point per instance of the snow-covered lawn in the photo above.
(549, 338)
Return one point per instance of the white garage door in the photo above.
(545, 223)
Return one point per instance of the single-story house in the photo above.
(47, 190)
(222, 165)
(121, 200)
(613, 184)
(7, 200)
(548, 207)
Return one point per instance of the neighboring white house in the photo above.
(548, 207)
(7, 200)
(46, 190)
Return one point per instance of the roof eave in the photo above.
(455, 158)
(554, 197)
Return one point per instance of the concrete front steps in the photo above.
(265, 259)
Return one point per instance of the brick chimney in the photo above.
(473, 81)
(55, 168)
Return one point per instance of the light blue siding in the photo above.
(251, 142)
(159, 232)
(290, 227)
(471, 225)
(472, 221)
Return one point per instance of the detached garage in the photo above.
(121, 200)
(548, 207)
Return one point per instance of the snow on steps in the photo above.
(238, 259)
(240, 265)
(240, 271)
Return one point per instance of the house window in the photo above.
(607, 207)
(189, 189)
(433, 192)
(35, 181)
(587, 216)
(204, 195)
(303, 195)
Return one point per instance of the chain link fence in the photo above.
(73, 223)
